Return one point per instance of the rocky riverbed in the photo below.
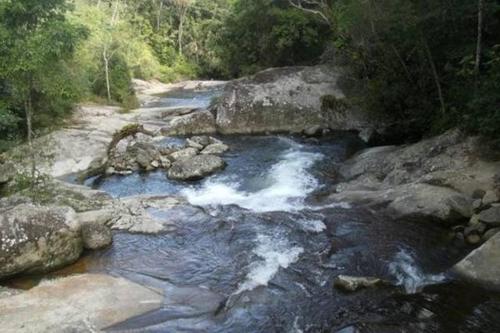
(307, 230)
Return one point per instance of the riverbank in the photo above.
(290, 212)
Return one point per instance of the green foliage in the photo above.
(393, 45)
(483, 110)
(120, 78)
(113, 35)
(266, 33)
(35, 78)
(180, 70)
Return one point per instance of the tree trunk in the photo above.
(480, 14)
(114, 17)
(106, 72)
(28, 108)
(435, 75)
(181, 28)
(158, 19)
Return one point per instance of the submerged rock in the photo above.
(35, 239)
(352, 283)
(81, 303)
(196, 167)
(481, 265)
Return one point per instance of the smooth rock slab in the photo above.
(195, 168)
(82, 303)
(482, 265)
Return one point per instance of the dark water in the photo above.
(257, 251)
(187, 98)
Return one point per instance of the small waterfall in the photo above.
(409, 275)
(290, 183)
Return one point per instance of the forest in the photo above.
(425, 66)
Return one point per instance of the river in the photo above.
(256, 249)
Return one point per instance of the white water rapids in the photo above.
(290, 183)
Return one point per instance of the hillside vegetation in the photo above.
(423, 66)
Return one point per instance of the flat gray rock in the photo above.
(195, 168)
(81, 303)
(491, 216)
(482, 265)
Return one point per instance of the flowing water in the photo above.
(257, 249)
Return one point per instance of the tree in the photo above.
(36, 40)
(182, 7)
(480, 15)
(321, 8)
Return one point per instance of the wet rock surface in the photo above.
(81, 303)
(195, 168)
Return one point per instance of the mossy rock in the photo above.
(330, 102)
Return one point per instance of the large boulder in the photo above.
(196, 167)
(197, 122)
(431, 202)
(481, 265)
(81, 303)
(491, 216)
(434, 179)
(36, 239)
(410, 201)
(290, 99)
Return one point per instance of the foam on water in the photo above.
(276, 254)
(290, 183)
(409, 275)
(312, 225)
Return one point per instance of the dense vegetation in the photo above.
(425, 66)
